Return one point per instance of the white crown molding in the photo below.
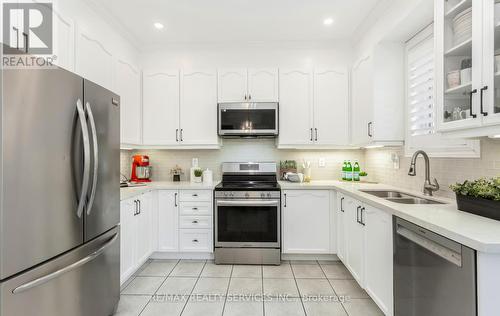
(108, 16)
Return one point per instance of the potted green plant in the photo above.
(197, 175)
(480, 197)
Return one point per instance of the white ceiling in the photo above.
(237, 21)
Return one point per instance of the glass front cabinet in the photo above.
(467, 46)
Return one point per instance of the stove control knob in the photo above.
(225, 194)
(247, 195)
(263, 195)
(231, 194)
(268, 195)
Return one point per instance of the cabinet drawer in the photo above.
(196, 240)
(195, 196)
(195, 208)
(204, 222)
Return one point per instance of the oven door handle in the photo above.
(247, 203)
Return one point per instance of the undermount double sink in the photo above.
(400, 197)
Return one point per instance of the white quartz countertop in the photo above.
(130, 192)
(476, 232)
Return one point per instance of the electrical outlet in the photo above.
(322, 162)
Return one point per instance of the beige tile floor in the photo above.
(201, 288)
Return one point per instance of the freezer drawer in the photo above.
(83, 282)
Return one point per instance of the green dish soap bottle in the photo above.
(349, 171)
(356, 171)
(344, 170)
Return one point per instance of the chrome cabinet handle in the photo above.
(342, 204)
(195, 208)
(248, 203)
(195, 195)
(176, 134)
(311, 132)
(246, 98)
(284, 202)
(370, 126)
(86, 158)
(182, 136)
(194, 222)
(58, 273)
(140, 206)
(249, 97)
(357, 214)
(135, 208)
(195, 240)
(95, 149)
(175, 199)
(316, 131)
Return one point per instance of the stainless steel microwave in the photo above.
(248, 119)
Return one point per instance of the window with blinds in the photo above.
(420, 61)
(420, 108)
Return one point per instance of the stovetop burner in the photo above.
(248, 176)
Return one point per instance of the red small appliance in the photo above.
(141, 170)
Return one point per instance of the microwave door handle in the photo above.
(86, 158)
(95, 143)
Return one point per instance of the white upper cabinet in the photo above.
(306, 222)
(161, 101)
(467, 71)
(256, 85)
(331, 107)
(295, 120)
(314, 108)
(232, 85)
(198, 115)
(127, 86)
(378, 97)
(94, 61)
(263, 85)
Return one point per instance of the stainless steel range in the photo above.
(248, 214)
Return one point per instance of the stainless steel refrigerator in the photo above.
(59, 195)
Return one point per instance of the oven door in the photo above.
(248, 119)
(247, 223)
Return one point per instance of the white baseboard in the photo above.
(300, 257)
(183, 255)
(210, 256)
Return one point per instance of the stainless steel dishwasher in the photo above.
(433, 275)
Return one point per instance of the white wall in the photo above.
(256, 55)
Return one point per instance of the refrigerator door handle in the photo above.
(88, 109)
(86, 158)
(58, 273)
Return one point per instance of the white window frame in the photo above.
(437, 145)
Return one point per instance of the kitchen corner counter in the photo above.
(476, 232)
(130, 192)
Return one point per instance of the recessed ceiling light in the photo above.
(328, 21)
(159, 26)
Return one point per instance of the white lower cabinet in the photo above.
(306, 219)
(364, 243)
(136, 233)
(185, 221)
(168, 220)
(378, 257)
(355, 239)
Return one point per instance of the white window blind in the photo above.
(420, 107)
(420, 61)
